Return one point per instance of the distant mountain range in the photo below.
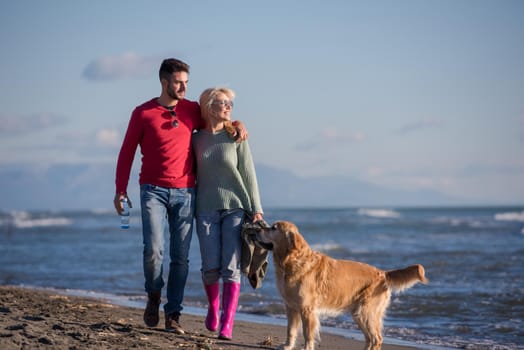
(282, 188)
(91, 186)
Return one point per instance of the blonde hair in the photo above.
(208, 97)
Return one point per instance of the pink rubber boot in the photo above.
(213, 293)
(230, 294)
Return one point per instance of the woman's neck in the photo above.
(214, 126)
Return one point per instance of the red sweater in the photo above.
(167, 156)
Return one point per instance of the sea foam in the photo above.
(379, 213)
(22, 219)
(510, 216)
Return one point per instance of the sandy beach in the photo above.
(39, 319)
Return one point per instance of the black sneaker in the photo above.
(151, 317)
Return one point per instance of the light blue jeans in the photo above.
(220, 244)
(173, 207)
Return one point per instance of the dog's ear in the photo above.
(296, 241)
(290, 239)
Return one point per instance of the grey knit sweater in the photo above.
(226, 177)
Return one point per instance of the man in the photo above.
(162, 127)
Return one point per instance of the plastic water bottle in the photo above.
(124, 217)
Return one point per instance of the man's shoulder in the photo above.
(185, 100)
(154, 103)
(192, 109)
(148, 104)
(193, 105)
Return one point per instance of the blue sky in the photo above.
(401, 94)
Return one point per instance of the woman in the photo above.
(227, 193)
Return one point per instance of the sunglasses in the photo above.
(174, 123)
(226, 103)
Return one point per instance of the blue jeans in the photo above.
(220, 244)
(175, 207)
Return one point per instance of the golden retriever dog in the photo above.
(312, 283)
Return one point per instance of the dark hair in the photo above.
(170, 66)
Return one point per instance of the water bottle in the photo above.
(124, 217)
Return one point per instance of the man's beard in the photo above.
(172, 93)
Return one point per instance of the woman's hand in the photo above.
(258, 217)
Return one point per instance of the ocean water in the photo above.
(474, 259)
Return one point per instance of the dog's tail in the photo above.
(401, 279)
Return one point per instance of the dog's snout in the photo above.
(263, 228)
(263, 243)
(259, 236)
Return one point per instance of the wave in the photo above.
(457, 222)
(510, 216)
(327, 247)
(22, 219)
(102, 211)
(379, 213)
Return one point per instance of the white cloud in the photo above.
(12, 124)
(329, 137)
(430, 182)
(422, 124)
(90, 141)
(125, 66)
(410, 179)
(491, 169)
(375, 171)
(108, 138)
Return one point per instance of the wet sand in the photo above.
(40, 319)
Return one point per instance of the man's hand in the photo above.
(118, 202)
(241, 130)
